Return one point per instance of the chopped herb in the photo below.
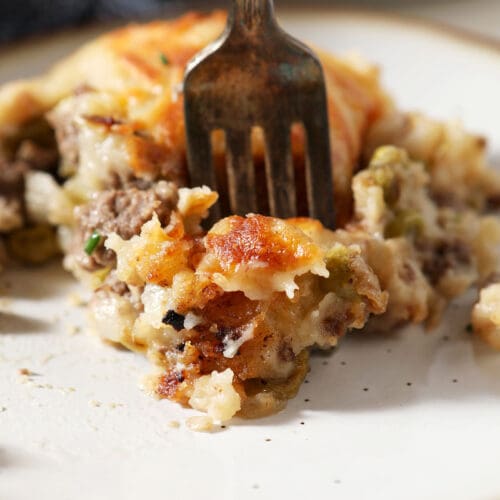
(174, 319)
(164, 59)
(92, 242)
(469, 328)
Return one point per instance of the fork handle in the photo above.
(250, 14)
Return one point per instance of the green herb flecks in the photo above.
(405, 223)
(164, 59)
(92, 242)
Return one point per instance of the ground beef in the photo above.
(67, 138)
(29, 156)
(12, 177)
(11, 194)
(38, 157)
(441, 256)
(121, 211)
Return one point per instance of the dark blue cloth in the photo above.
(19, 18)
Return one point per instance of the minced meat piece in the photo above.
(121, 211)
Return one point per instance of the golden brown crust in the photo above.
(259, 240)
(128, 66)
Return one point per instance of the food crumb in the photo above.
(173, 424)
(47, 358)
(268, 439)
(454, 380)
(67, 390)
(5, 304)
(306, 400)
(408, 384)
(24, 379)
(44, 386)
(94, 403)
(75, 299)
(73, 329)
(115, 405)
(25, 372)
(365, 389)
(302, 423)
(200, 424)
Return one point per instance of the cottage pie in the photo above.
(92, 165)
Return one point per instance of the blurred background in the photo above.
(22, 18)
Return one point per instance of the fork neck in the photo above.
(251, 15)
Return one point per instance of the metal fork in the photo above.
(255, 75)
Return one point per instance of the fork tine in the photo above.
(280, 175)
(319, 177)
(200, 163)
(240, 172)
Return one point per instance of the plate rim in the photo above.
(439, 28)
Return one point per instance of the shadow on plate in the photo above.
(15, 324)
(367, 372)
(35, 282)
(370, 372)
(11, 458)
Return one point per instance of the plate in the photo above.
(404, 415)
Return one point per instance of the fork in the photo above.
(256, 75)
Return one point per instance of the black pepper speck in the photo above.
(174, 319)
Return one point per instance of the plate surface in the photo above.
(409, 415)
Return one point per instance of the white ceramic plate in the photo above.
(427, 425)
